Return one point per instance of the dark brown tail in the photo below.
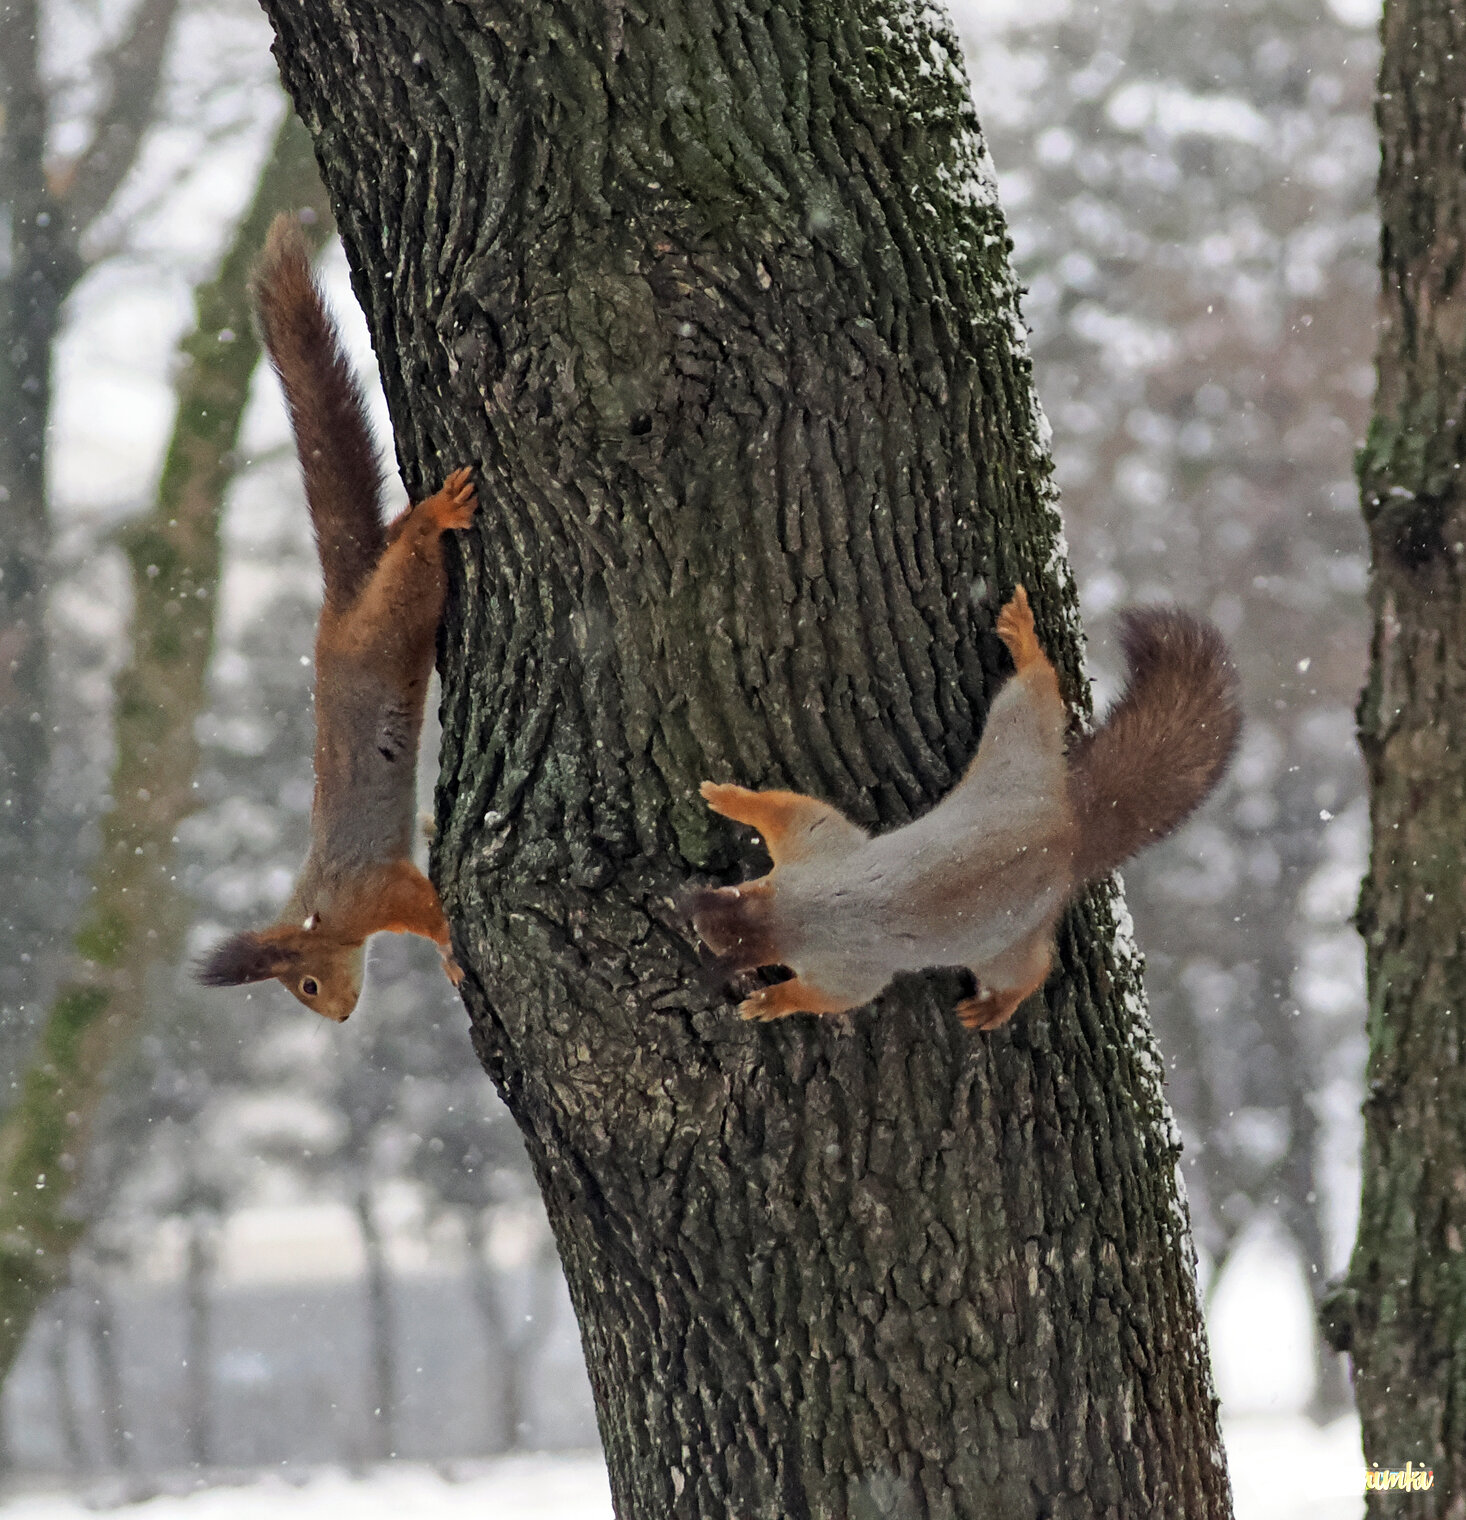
(1162, 747)
(338, 456)
(245, 957)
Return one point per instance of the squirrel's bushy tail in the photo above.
(338, 455)
(1162, 747)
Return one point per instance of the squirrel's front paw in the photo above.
(792, 996)
(453, 971)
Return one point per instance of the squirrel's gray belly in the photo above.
(920, 898)
(367, 744)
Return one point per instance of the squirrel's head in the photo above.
(316, 970)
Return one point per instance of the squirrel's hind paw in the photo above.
(1015, 628)
(455, 504)
(990, 1010)
(792, 996)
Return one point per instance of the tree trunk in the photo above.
(502, 1389)
(133, 921)
(198, 1339)
(37, 270)
(45, 216)
(717, 296)
(68, 1418)
(101, 1330)
(381, 1330)
(1402, 1310)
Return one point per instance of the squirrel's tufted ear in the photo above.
(246, 957)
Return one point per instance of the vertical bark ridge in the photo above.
(731, 332)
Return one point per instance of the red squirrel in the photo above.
(384, 589)
(981, 879)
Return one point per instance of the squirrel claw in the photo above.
(456, 503)
(1015, 628)
(988, 1010)
(452, 970)
(765, 1005)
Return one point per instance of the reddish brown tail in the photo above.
(338, 456)
(1162, 747)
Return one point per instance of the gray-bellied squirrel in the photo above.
(981, 879)
(385, 585)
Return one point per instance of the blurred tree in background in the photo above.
(53, 206)
(133, 923)
(1401, 1309)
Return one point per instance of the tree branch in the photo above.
(135, 70)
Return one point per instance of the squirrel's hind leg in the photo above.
(1005, 983)
(394, 621)
(454, 505)
(793, 996)
(1015, 628)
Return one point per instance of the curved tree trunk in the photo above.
(198, 1336)
(1402, 1310)
(717, 295)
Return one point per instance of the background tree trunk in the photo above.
(1402, 1311)
(381, 1328)
(46, 209)
(68, 1417)
(133, 922)
(33, 287)
(198, 1335)
(504, 1389)
(717, 296)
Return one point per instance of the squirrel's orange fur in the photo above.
(980, 880)
(384, 591)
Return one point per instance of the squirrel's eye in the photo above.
(310, 986)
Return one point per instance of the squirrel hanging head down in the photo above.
(981, 879)
(384, 589)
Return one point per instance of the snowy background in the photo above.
(1189, 188)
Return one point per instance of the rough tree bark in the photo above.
(717, 295)
(1401, 1311)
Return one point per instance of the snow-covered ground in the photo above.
(1281, 1470)
(1283, 1467)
